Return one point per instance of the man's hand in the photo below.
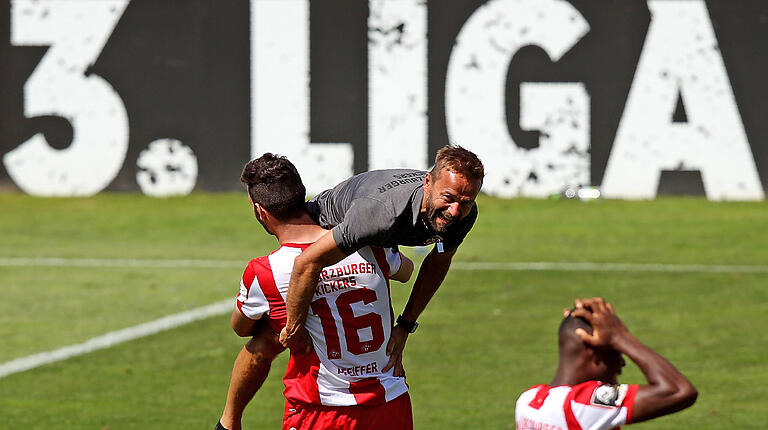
(607, 328)
(298, 340)
(395, 349)
(304, 277)
(667, 391)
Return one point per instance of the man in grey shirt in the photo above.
(389, 208)
(383, 208)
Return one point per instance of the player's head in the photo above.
(274, 185)
(451, 187)
(600, 364)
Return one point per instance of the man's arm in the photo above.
(306, 271)
(667, 391)
(242, 325)
(406, 270)
(251, 366)
(431, 274)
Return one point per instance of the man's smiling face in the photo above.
(448, 198)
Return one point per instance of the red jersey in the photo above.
(591, 405)
(350, 321)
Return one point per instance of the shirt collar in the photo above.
(418, 196)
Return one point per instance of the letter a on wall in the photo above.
(681, 59)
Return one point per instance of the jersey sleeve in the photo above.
(595, 405)
(367, 222)
(251, 300)
(394, 259)
(455, 237)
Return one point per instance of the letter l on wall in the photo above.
(280, 94)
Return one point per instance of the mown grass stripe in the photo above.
(458, 265)
(608, 267)
(115, 337)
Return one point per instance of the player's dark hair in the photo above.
(275, 184)
(458, 160)
(567, 337)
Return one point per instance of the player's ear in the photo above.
(259, 211)
(591, 356)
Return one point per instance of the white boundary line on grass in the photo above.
(119, 262)
(459, 265)
(115, 337)
(608, 267)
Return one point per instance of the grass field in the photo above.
(487, 335)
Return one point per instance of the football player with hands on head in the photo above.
(585, 394)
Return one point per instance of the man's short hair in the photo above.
(275, 184)
(567, 337)
(458, 160)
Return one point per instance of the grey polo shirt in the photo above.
(381, 208)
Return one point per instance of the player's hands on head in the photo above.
(299, 342)
(395, 349)
(607, 328)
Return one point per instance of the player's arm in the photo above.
(306, 271)
(405, 271)
(242, 325)
(431, 274)
(667, 390)
(251, 366)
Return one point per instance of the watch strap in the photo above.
(409, 326)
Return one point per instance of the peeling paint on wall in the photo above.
(681, 58)
(475, 90)
(59, 86)
(166, 168)
(397, 84)
(551, 94)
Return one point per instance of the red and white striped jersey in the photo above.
(350, 321)
(591, 405)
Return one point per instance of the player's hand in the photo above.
(607, 328)
(395, 349)
(299, 342)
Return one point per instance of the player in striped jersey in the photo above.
(585, 394)
(341, 382)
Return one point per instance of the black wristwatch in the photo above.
(409, 326)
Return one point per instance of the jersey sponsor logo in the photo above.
(346, 270)
(529, 424)
(607, 395)
(342, 277)
(402, 179)
(326, 287)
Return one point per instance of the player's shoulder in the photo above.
(258, 262)
(597, 393)
(377, 182)
(287, 252)
(393, 173)
(527, 396)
